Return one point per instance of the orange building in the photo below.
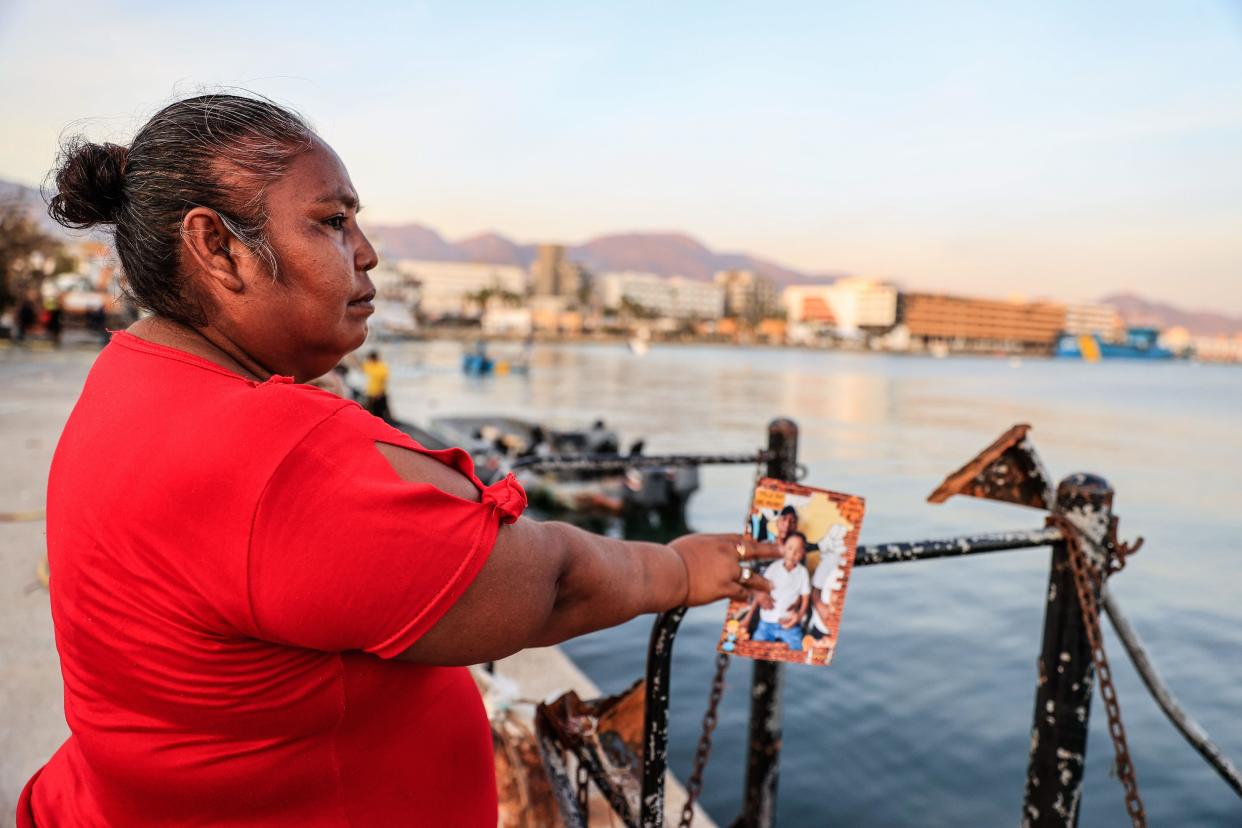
(771, 330)
(981, 324)
(816, 309)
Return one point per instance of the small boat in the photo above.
(640, 343)
(575, 470)
(1140, 343)
(477, 363)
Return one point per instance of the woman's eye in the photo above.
(336, 222)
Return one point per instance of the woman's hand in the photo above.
(713, 568)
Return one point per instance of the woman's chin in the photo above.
(358, 335)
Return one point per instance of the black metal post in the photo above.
(655, 716)
(768, 678)
(1066, 675)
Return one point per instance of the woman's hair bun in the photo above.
(90, 184)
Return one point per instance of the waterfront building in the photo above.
(1177, 339)
(747, 295)
(671, 296)
(849, 306)
(1094, 320)
(774, 331)
(1218, 348)
(963, 323)
(507, 321)
(808, 305)
(447, 289)
(394, 285)
(551, 274)
(862, 305)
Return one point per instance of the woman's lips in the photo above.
(363, 304)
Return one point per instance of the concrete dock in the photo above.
(38, 387)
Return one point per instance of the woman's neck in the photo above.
(202, 342)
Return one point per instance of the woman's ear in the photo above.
(213, 248)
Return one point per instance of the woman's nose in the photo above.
(366, 256)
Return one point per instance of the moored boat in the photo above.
(1139, 343)
(581, 471)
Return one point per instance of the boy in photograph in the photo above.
(781, 612)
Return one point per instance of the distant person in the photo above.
(781, 613)
(376, 398)
(97, 323)
(55, 319)
(600, 440)
(25, 318)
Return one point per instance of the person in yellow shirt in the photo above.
(376, 398)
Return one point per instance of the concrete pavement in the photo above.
(38, 387)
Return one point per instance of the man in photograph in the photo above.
(775, 528)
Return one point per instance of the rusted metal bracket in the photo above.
(1009, 470)
(1121, 550)
(605, 736)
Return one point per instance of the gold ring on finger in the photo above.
(741, 551)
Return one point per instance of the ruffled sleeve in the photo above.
(508, 496)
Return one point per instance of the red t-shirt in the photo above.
(233, 565)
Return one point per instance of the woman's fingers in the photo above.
(714, 565)
(758, 583)
(750, 545)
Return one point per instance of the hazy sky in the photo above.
(1048, 148)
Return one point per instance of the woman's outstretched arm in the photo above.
(544, 583)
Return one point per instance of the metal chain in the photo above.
(1087, 583)
(584, 780)
(695, 783)
(574, 462)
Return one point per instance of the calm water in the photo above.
(924, 716)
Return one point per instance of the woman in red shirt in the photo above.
(262, 594)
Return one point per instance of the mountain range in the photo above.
(665, 253)
(671, 254)
(668, 254)
(31, 200)
(1136, 310)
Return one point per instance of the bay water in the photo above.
(924, 716)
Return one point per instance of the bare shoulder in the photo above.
(419, 468)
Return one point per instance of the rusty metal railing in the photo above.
(1009, 471)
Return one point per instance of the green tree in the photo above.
(24, 246)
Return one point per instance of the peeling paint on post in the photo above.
(655, 717)
(1066, 675)
(768, 678)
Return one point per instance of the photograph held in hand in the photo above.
(806, 540)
